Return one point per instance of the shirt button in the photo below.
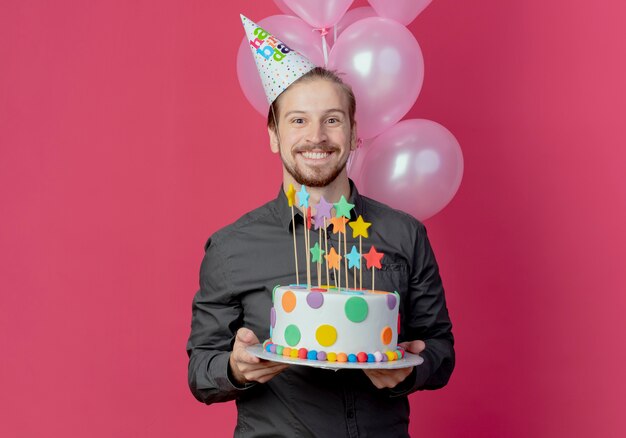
(350, 414)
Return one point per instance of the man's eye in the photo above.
(299, 121)
(333, 120)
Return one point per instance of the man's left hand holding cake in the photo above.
(245, 367)
(391, 378)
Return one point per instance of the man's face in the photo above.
(314, 134)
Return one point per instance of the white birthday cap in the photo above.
(278, 65)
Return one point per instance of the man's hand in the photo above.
(247, 368)
(391, 378)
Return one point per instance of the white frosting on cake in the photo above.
(345, 321)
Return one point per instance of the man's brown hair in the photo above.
(316, 73)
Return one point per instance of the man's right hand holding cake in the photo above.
(246, 367)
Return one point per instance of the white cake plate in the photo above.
(409, 360)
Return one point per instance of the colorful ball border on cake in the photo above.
(341, 357)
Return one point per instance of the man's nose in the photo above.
(317, 133)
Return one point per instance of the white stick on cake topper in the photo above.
(303, 202)
(342, 210)
(359, 229)
(291, 200)
(339, 226)
(323, 212)
(373, 258)
(354, 261)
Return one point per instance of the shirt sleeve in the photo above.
(426, 318)
(216, 316)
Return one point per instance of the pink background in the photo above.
(125, 141)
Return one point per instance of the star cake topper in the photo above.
(291, 195)
(343, 207)
(359, 227)
(354, 258)
(322, 211)
(339, 224)
(373, 258)
(317, 253)
(333, 259)
(303, 197)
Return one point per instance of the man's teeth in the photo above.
(315, 155)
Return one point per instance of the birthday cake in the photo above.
(334, 323)
(330, 324)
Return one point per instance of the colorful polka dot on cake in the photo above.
(289, 301)
(386, 335)
(315, 300)
(326, 335)
(356, 309)
(391, 301)
(292, 335)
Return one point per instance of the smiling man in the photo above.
(311, 125)
(316, 131)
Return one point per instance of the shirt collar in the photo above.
(284, 211)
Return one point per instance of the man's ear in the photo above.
(274, 142)
(353, 139)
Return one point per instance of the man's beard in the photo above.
(318, 179)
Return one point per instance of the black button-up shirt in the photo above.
(242, 264)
